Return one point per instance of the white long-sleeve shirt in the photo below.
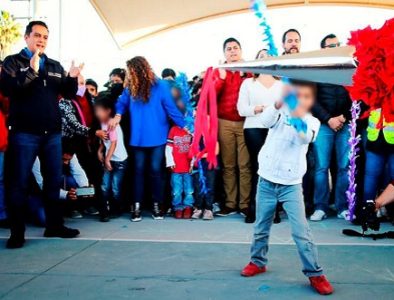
(283, 157)
(76, 170)
(251, 94)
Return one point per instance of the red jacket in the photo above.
(3, 126)
(227, 94)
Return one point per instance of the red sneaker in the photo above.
(321, 285)
(251, 270)
(178, 214)
(187, 213)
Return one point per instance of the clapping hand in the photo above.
(74, 70)
(35, 61)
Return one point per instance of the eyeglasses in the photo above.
(332, 45)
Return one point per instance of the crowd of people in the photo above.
(70, 150)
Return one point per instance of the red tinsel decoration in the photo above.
(206, 123)
(373, 81)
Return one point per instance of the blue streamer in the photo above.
(183, 85)
(202, 179)
(259, 8)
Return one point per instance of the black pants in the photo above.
(254, 139)
(204, 199)
(22, 152)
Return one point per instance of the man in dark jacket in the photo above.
(332, 108)
(33, 83)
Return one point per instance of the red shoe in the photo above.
(187, 213)
(178, 214)
(321, 285)
(251, 270)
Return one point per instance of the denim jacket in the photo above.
(282, 159)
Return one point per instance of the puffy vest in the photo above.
(376, 122)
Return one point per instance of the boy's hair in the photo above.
(231, 40)
(290, 30)
(92, 83)
(323, 41)
(304, 83)
(167, 72)
(120, 72)
(68, 147)
(106, 101)
(29, 27)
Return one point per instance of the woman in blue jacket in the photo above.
(150, 104)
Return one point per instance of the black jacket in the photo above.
(332, 101)
(34, 105)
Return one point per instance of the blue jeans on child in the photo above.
(326, 142)
(268, 196)
(3, 214)
(182, 188)
(112, 183)
(375, 166)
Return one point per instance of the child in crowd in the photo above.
(282, 164)
(204, 186)
(113, 155)
(180, 162)
(3, 147)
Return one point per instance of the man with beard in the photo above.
(291, 40)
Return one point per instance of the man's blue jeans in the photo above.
(23, 150)
(375, 166)
(268, 196)
(112, 184)
(3, 214)
(326, 142)
(182, 190)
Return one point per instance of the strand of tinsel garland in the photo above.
(259, 8)
(353, 142)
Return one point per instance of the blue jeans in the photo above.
(375, 165)
(3, 214)
(112, 184)
(23, 150)
(151, 158)
(326, 142)
(268, 196)
(182, 187)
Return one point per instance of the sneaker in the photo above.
(321, 285)
(224, 212)
(215, 207)
(157, 214)
(91, 211)
(62, 232)
(208, 215)
(76, 215)
(318, 215)
(197, 214)
(244, 212)
(15, 242)
(251, 270)
(344, 215)
(187, 213)
(250, 218)
(136, 213)
(178, 214)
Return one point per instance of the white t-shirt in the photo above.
(120, 153)
(251, 94)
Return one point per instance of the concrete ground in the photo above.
(181, 259)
